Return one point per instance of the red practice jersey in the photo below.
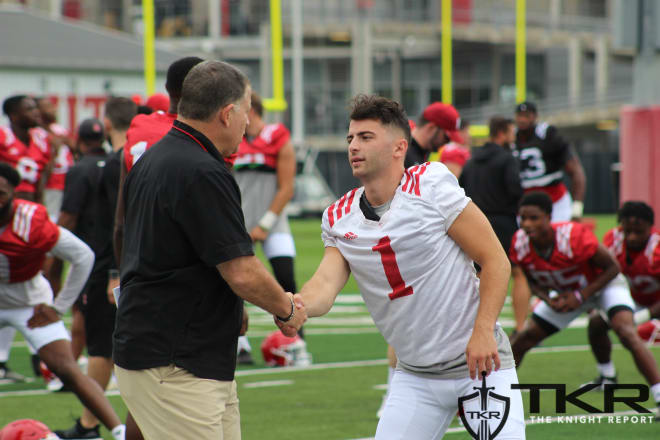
(145, 130)
(453, 152)
(261, 152)
(568, 267)
(25, 241)
(63, 161)
(29, 160)
(642, 268)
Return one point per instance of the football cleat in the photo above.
(601, 381)
(244, 357)
(281, 351)
(78, 432)
(26, 429)
(9, 376)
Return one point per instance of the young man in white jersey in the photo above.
(410, 238)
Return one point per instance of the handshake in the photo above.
(289, 325)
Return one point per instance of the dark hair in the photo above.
(464, 124)
(120, 111)
(636, 209)
(210, 86)
(498, 124)
(538, 199)
(385, 110)
(257, 106)
(9, 173)
(144, 110)
(11, 104)
(177, 72)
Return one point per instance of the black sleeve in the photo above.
(211, 217)
(559, 145)
(76, 190)
(512, 178)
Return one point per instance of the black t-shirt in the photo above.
(183, 217)
(416, 154)
(542, 154)
(91, 193)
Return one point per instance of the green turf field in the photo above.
(337, 398)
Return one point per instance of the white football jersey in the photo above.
(419, 286)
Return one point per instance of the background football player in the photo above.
(571, 272)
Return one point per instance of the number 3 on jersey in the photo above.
(392, 272)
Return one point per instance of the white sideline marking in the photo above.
(267, 383)
(42, 392)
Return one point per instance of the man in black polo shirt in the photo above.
(437, 126)
(187, 265)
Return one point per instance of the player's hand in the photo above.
(244, 325)
(569, 302)
(481, 353)
(291, 327)
(42, 316)
(258, 234)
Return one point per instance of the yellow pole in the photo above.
(277, 102)
(447, 91)
(149, 51)
(521, 62)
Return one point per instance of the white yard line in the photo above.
(267, 383)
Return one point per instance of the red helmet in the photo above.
(649, 331)
(27, 429)
(282, 351)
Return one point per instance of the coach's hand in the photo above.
(481, 352)
(290, 328)
(42, 316)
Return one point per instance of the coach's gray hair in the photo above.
(208, 87)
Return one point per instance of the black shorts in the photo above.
(99, 317)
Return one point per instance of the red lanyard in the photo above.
(192, 137)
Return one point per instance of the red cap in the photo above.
(158, 101)
(445, 116)
(136, 98)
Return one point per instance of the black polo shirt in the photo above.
(183, 217)
(89, 193)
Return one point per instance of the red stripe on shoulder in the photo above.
(331, 215)
(418, 179)
(350, 201)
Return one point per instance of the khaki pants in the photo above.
(169, 402)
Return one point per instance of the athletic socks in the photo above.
(119, 432)
(607, 369)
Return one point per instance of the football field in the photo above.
(338, 395)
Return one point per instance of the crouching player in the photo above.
(635, 244)
(571, 272)
(26, 299)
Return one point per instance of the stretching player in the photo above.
(26, 299)
(409, 237)
(572, 273)
(265, 172)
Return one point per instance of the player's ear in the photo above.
(400, 147)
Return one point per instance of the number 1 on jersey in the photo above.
(392, 272)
